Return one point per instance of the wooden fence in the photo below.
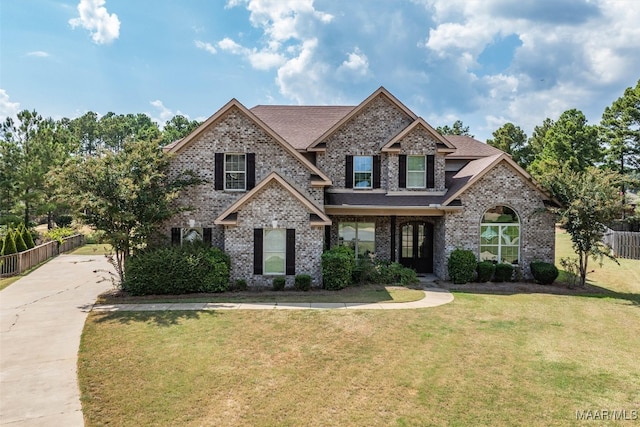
(623, 244)
(11, 265)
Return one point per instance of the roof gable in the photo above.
(443, 145)
(229, 216)
(476, 169)
(318, 177)
(315, 146)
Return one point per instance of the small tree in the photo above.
(9, 246)
(21, 246)
(127, 194)
(589, 200)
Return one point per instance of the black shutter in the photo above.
(348, 176)
(257, 251)
(402, 171)
(251, 170)
(175, 236)
(376, 171)
(327, 237)
(431, 171)
(207, 234)
(291, 252)
(219, 171)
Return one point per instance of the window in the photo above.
(191, 235)
(182, 235)
(500, 236)
(274, 250)
(362, 172)
(359, 236)
(416, 172)
(235, 172)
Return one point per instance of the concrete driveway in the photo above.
(41, 320)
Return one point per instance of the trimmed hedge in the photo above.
(503, 273)
(302, 282)
(177, 270)
(338, 264)
(279, 283)
(461, 266)
(485, 270)
(543, 272)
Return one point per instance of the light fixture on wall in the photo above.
(192, 223)
(274, 224)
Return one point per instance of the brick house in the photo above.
(286, 182)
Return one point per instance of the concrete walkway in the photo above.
(432, 298)
(41, 320)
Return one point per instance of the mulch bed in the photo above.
(524, 288)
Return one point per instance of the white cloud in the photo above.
(104, 27)
(289, 44)
(38, 54)
(7, 108)
(164, 114)
(205, 46)
(356, 63)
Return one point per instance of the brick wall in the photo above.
(500, 186)
(363, 135)
(274, 203)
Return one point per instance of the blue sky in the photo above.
(483, 62)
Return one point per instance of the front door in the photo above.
(416, 248)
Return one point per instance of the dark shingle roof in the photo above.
(300, 125)
(470, 148)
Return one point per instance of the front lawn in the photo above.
(485, 359)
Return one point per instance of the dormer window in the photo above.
(362, 172)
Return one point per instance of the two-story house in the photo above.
(286, 182)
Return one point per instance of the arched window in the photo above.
(500, 236)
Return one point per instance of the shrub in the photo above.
(21, 246)
(27, 237)
(338, 264)
(240, 285)
(302, 282)
(9, 246)
(64, 220)
(544, 273)
(503, 272)
(177, 270)
(279, 283)
(485, 271)
(461, 266)
(59, 233)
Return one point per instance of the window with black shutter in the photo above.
(402, 171)
(431, 171)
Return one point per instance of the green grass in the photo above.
(93, 249)
(494, 360)
(7, 281)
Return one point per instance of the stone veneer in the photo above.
(274, 203)
(500, 186)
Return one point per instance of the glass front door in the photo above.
(416, 246)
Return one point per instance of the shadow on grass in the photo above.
(160, 318)
(589, 290)
(356, 294)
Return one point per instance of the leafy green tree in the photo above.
(620, 132)
(178, 127)
(458, 128)
(86, 131)
(589, 200)
(117, 129)
(126, 194)
(568, 143)
(512, 140)
(27, 237)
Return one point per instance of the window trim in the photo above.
(423, 172)
(357, 239)
(244, 172)
(356, 171)
(501, 227)
(283, 252)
